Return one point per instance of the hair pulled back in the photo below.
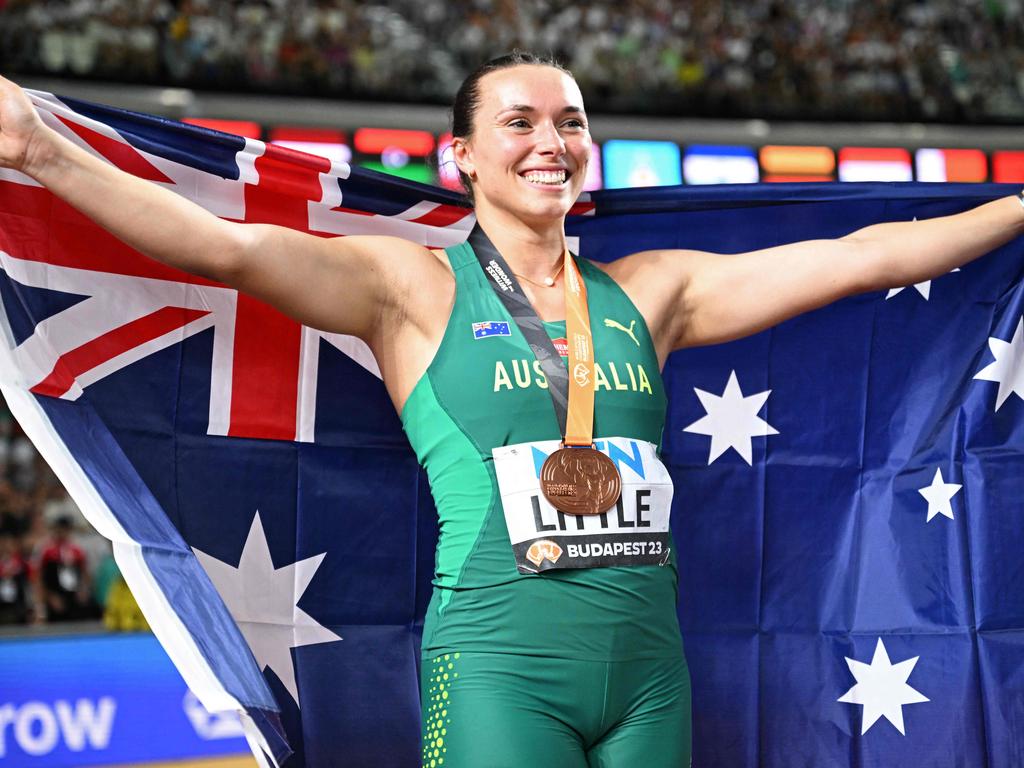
(467, 100)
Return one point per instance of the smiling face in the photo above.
(530, 144)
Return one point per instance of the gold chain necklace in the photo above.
(548, 281)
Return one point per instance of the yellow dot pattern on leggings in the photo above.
(440, 680)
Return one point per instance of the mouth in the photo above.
(550, 179)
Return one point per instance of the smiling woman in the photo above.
(558, 640)
(522, 145)
(467, 100)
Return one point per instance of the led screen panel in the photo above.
(720, 164)
(641, 163)
(316, 141)
(875, 164)
(1008, 167)
(797, 163)
(593, 180)
(246, 128)
(447, 172)
(951, 165)
(396, 151)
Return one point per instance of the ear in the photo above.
(462, 152)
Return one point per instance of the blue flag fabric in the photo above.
(848, 484)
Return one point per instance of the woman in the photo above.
(525, 662)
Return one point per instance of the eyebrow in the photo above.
(527, 108)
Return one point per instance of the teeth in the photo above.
(545, 177)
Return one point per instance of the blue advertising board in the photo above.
(103, 700)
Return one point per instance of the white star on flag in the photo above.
(924, 288)
(882, 688)
(940, 496)
(263, 601)
(1008, 368)
(731, 420)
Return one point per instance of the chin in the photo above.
(550, 212)
(534, 208)
(550, 208)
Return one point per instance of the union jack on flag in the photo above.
(847, 511)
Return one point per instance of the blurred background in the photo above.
(678, 93)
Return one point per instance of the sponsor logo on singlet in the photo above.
(609, 323)
(523, 374)
(561, 346)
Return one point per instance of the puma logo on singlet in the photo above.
(619, 327)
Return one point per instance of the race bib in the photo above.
(633, 532)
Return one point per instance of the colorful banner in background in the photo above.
(848, 484)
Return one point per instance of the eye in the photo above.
(519, 122)
(575, 123)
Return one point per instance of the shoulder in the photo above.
(382, 248)
(654, 279)
(394, 252)
(400, 264)
(658, 283)
(642, 266)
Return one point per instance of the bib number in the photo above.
(633, 532)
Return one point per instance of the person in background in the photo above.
(64, 583)
(15, 578)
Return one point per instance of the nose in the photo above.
(550, 141)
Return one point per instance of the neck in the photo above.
(531, 249)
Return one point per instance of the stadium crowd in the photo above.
(948, 60)
(53, 566)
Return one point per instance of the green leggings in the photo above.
(491, 710)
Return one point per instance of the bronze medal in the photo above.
(580, 481)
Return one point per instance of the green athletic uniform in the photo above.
(585, 662)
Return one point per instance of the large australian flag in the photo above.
(847, 517)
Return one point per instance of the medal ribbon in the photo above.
(572, 394)
(579, 429)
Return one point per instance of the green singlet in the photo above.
(585, 631)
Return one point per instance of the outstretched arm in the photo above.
(698, 298)
(336, 284)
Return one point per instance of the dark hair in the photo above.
(467, 100)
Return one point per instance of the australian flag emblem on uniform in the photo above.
(491, 328)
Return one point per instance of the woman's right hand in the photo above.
(20, 127)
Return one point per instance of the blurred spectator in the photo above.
(53, 565)
(65, 584)
(37, 518)
(14, 581)
(952, 60)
